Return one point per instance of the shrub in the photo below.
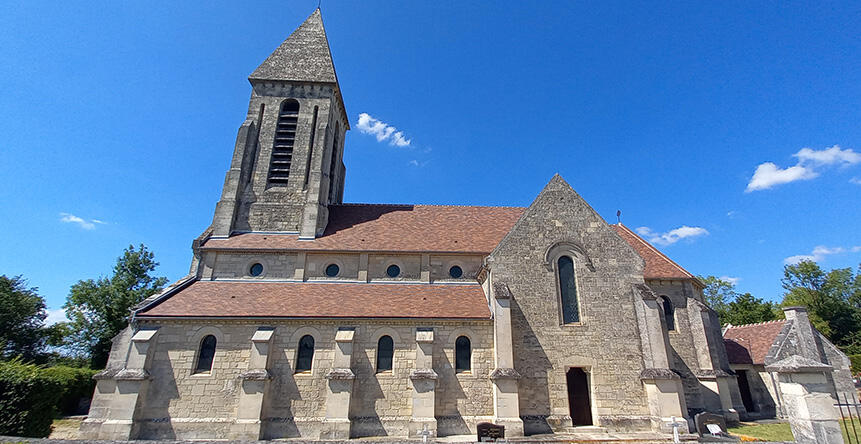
(75, 384)
(856, 363)
(28, 400)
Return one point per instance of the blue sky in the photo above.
(119, 119)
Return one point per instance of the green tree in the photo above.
(746, 309)
(733, 307)
(22, 318)
(99, 309)
(832, 299)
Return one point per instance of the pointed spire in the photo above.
(303, 57)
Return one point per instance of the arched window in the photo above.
(204, 357)
(385, 354)
(282, 148)
(334, 161)
(305, 356)
(462, 355)
(568, 290)
(669, 313)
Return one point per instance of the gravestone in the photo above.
(488, 432)
(705, 419)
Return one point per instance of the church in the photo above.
(306, 317)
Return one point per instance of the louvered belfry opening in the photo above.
(282, 149)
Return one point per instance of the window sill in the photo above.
(302, 373)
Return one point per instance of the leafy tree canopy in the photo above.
(22, 318)
(99, 309)
(735, 308)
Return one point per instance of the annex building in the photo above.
(303, 316)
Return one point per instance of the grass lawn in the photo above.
(782, 432)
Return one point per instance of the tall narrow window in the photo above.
(669, 313)
(282, 148)
(334, 161)
(462, 355)
(568, 290)
(385, 354)
(305, 356)
(206, 354)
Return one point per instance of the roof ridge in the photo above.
(652, 247)
(358, 204)
(773, 321)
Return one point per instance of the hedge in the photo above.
(28, 400)
(75, 384)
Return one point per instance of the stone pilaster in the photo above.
(663, 386)
(506, 401)
(129, 387)
(236, 179)
(424, 383)
(806, 394)
(255, 385)
(336, 424)
(714, 382)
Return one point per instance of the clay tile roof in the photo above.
(749, 344)
(323, 300)
(658, 266)
(401, 228)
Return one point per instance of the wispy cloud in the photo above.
(731, 280)
(417, 164)
(672, 236)
(55, 316)
(855, 180)
(382, 131)
(819, 253)
(809, 166)
(69, 218)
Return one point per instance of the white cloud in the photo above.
(855, 180)
(818, 254)
(382, 131)
(829, 156)
(809, 166)
(672, 236)
(68, 218)
(768, 175)
(731, 214)
(417, 164)
(731, 280)
(55, 316)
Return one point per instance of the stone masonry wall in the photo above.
(606, 340)
(183, 405)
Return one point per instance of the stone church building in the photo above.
(303, 316)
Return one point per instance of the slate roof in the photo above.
(658, 265)
(392, 228)
(322, 300)
(749, 344)
(303, 57)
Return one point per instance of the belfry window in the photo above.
(305, 356)
(385, 354)
(334, 161)
(282, 148)
(568, 290)
(205, 355)
(462, 355)
(669, 313)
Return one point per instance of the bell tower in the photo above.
(287, 165)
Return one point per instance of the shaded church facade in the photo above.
(303, 316)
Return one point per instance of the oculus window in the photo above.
(256, 269)
(455, 272)
(332, 270)
(393, 271)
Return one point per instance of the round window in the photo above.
(393, 271)
(256, 269)
(332, 270)
(455, 272)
